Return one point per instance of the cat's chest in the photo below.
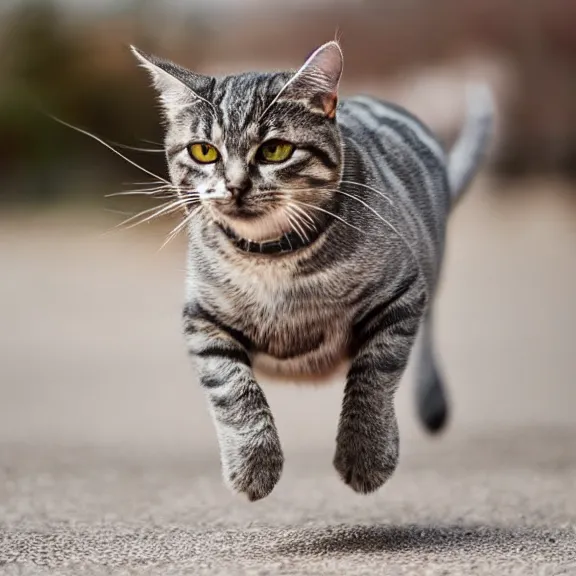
(299, 337)
(295, 325)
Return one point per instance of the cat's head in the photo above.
(258, 149)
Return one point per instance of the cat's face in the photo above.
(259, 150)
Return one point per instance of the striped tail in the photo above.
(469, 150)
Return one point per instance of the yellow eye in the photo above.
(276, 151)
(204, 153)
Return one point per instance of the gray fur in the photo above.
(368, 194)
(468, 151)
(431, 401)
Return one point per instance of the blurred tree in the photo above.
(54, 69)
(38, 61)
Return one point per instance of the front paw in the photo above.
(252, 463)
(365, 457)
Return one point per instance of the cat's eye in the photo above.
(204, 153)
(275, 151)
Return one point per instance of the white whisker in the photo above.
(384, 221)
(146, 184)
(310, 218)
(369, 188)
(296, 225)
(154, 195)
(113, 211)
(375, 212)
(136, 148)
(292, 225)
(141, 191)
(160, 210)
(297, 222)
(106, 145)
(330, 214)
(175, 231)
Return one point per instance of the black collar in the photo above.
(289, 242)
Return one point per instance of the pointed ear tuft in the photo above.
(176, 86)
(318, 79)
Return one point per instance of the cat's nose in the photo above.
(239, 188)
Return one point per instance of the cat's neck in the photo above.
(290, 241)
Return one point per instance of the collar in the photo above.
(287, 243)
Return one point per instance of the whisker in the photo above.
(304, 223)
(141, 191)
(310, 223)
(154, 195)
(147, 211)
(375, 212)
(164, 212)
(153, 187)
(175, 231)
(291, 222)
(384, 221)
(119, 226)
(298, 229)
(160, 210)
(329, 213)
(369, 188)
(136, 148)
(147, 184)
(301, 228)
(287, 236)
(112, 211)
(297, 222)
(106, 145)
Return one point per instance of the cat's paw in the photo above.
(253, 467)
(366, 461)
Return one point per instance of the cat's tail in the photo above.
(470, 148)
(431, 397)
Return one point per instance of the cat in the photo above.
(315, 242)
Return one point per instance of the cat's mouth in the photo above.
(254, 219)
(276, 232)
(239, 210)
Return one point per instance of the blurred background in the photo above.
(108, 456)
(70, 58)
(90, 346)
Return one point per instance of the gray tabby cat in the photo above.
(317, 242)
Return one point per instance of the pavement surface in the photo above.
(108, 459)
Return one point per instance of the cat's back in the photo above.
(400, 156)
(413, 156)
(382, 126)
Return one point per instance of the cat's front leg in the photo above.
(250, 449)
(367, 441)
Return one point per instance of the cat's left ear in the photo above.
(176, 85)
(317, 80)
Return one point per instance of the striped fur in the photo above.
(375, 186)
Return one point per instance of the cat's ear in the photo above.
(176, 86)
(317, 80)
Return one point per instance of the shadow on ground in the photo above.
(343, 540)
(118, 546)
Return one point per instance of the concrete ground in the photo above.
(108, 460)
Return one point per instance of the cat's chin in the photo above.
(259, 228)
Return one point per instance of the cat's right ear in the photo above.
(176, 86)
(317, 80)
